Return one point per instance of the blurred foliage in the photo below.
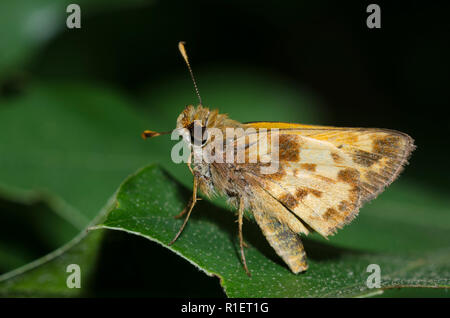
(73, 103)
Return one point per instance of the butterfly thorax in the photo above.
(215, 176)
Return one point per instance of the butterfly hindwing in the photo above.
(280, 228)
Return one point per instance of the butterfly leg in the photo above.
(188, 205)
(189, 164)
(190, 200)
(188, 208)
(241, 238)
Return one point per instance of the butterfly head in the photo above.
(195, 120)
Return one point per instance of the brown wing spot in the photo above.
(326, 179)
(309, 166)
(289, 148)
(365, 158)
(289, 200)
(330, 213)
(336, 157)
(343, 205)
(349, 175)
(295, 172)
(301, 193)
(386, 146)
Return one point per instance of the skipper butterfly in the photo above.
(323, 177)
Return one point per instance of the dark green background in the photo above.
(301, 61)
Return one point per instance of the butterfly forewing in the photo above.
(326, 173)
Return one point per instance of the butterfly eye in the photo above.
(204, 135)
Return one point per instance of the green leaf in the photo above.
(147, 202)
(145, 205)
(47, 276)
(101, 256)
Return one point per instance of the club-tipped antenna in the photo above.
(185, 57)
(150, 133)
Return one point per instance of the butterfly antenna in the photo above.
(150, 134)
(183, 53)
